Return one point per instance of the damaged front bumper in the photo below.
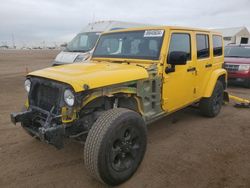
(45, 126)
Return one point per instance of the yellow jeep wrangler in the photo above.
(135, 77)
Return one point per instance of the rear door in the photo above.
(179, 86)
(203, 58)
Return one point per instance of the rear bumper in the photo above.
(239, 74)
(46, 130)
(241, 77)
(239, 81)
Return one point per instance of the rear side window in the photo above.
(202, 43)
(217, 45)
(180, 42)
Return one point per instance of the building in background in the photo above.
(235, 35)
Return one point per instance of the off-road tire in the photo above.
(210, 107)
(106, 137)
(247, 83)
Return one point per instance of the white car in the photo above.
(81, 47)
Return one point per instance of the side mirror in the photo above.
(176, 58)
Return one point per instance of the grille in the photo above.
(46, 97)
(231, 67)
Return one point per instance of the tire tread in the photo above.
(95, 138)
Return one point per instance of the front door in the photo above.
(179, 86)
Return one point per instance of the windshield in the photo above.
(83, 42)
(133, 44)
(237, 51)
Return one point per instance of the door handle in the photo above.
(208, 65)
(192, 69)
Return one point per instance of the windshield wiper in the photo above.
(83, 51)
(121, 61)
(68, 50)
(116, 61)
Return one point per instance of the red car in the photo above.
(237, 63)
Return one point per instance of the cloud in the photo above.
(33, 22)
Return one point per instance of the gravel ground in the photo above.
(184, 149)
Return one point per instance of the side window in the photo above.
(202, 44)
(217, 45)
(181, 42)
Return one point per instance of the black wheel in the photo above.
(115, 146)
(211, 106)
(247, 83)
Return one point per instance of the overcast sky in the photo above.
(33, 21)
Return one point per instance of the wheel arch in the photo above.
(220, 74)
(121, 100)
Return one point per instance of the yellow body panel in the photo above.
(212, 81)
(178, 86)
(181, 88)
(203, 72)
(93, 74)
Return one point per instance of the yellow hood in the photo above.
(93, 74)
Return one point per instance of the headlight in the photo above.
(27, 85)
(69, 97)
(244, 67)
(79, 58)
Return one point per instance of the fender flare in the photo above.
(129, 95)
(212, 81)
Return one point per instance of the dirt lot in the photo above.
(184, 149)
